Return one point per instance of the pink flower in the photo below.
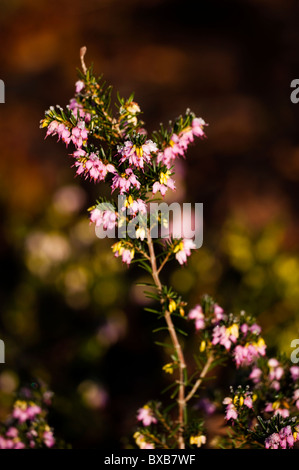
(184, 249)
(92, 167)
(170, 153)
(52, 128)
(164, 183)
(283, 412)
(19, 445)
(137, 206)
(272, 363)
(270, 407)
(33, 410)
(79, 134)
(127, 256)
(296, 398)
(23, 411)
(273, 441)
(219, 314)
(137, 155)
(125, 181)
(79, 86)
(48, 437)
(283, 439)
(107, 218)
(256, 329)
(244, 328)
(178, 144)
(255, 375)
(197, 127)
(245, 355)
(145, 415)
(248, 401)
(294, 372)
(197, 314)
(12, 432)
(225, 336)
(61, 130)
(78, 110)
(231, 411)
(241, 355)
(276, 371)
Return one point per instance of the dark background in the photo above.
(69, 312)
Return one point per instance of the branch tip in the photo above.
(82, 54)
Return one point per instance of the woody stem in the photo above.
(176, 344)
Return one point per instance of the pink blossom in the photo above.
(79, 134)
(19, 445)
(178, 144)
(185, 247)
(256, 329)
(137, 155)
(244, 328)
(79, 86)
(61, 130)
(273, 441)
(219, 314)
(145, 415)
(165, 182)
(272, 363)
(12, 432)
(137, 206)
(107, 218)
(170, 153)
(197, 314)
(197, 127)
(49, 439)
(23, 411)
(125, 181)
(127, 256)
(92, 167)
(225, 336)
(52, 128)
(296, 398)
(284, 412)
(255, 375)
(248, 401)
(284, 439)
(276, 371)
(294, 370)
(231, 412)
(78, 110)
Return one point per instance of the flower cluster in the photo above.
(238, 402)
(117, 150)
(239, 336)
(27, 426)
(137, 167)
(283, 439)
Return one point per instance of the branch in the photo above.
(181, 360)
(200, 379)
(82, 54)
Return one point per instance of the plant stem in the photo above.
(200, 379)
(82, 54)
(181, 360)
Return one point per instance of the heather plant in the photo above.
(27, 426)
(112, 146)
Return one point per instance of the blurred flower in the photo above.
(145, 414)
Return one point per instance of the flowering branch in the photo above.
(117, 150)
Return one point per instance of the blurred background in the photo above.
(70, 313)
